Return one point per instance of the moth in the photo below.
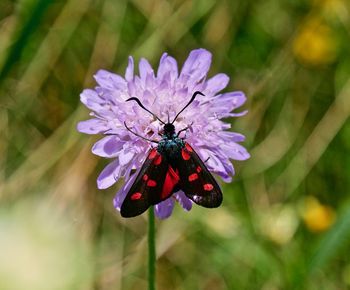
(171, 166)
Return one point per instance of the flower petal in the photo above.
(231, 136)
(108, 175)
(236, 99)
(145, 69)
(216, 84)
(108, 146)
(213, 163)
(125, 156)
(110, 80)
(183, 200)
(92, 126)
(164, 209)
(197, 64)
(235, 151)
(167, 65)
(222, 105)
(240, 114)
(92, 100)
(224, 176)
(129, 73)
(229, 168)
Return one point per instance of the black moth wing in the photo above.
(195, 179)
(148, 187)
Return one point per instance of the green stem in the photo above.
(151, 250)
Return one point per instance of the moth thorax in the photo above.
(172, 147)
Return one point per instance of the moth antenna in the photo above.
(143, 107)
(192, 99)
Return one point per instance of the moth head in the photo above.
(169, 129)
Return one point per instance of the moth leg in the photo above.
(184, 129)
(127, 128)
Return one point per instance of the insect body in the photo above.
(172, 166)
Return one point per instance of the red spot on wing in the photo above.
(145, 177)
(208, 187)
(136, 196)
(193, 177)
(171, 179)
(151, 183)
(152, 154)
(188, 147)
(185, 155)
(157, 160)
(198, 169)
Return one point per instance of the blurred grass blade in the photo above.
(333, 242)
(24, 35)
(315, 145)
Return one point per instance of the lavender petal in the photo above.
(183, 200)
(197, 64)
(110, 80)
(167, 65)
(145, 69)
(164, 209)
(108, 147)
(92, 126)
(129, 73)
(109, 175)
(216, 84)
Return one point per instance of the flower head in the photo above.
(163, 92)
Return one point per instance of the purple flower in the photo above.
(164, 93)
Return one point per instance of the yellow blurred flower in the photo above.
(317, 217)
(315, 43)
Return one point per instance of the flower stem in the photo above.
(151, 250)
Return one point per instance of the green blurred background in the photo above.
(285, 220)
